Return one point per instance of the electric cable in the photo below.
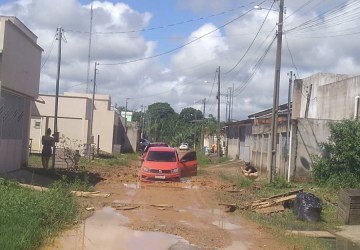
(252, 42)
(168, 25)
(179, 47)
(48, 53)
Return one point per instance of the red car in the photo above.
(163, 163)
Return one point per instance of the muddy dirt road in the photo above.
(157, 216)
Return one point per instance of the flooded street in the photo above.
(183, 215)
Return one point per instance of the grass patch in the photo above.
(278, 223)
(243, 182)
(111, 160)
(35, 160)
(30, 217)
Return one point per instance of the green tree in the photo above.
(160, 115)
(340, 164)
(190, 114)
(136, 116)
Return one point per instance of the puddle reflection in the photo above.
(106, 230)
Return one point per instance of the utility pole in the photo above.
(229, 104)
(275, 107)
(226, 106)
(288, 114)
(232, 102)
(56, 133)
(141, 123)
(202, 124)
(90, 134)
(89, 49)
(218, 117)
(144, 123)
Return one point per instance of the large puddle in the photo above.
(106, 229)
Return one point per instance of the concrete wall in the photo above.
(325, 96)
(74, 115)
(239, 141)
(103, 128)
(308, 134)
(101, 102)
(73, 119)
(20, 58)
(20, 61)
(321, 98)
(260, 155)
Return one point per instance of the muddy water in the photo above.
(106, 229)
(114, 235)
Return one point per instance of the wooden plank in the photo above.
(290, 197)
(351, 192)
(354, 212)
(280, 195)
(270, 210)
(354, 221)
(314, 234)
(272, 202)
(37, 188)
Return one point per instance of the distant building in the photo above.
(20, 62)
(74, 117)
(128, 115)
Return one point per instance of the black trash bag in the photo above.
(307, 207)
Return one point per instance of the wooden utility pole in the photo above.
(202, 124)
(275, 107)
(288, 114)
(218, 117)
(90, 133)
(89, 48)
(56, 133)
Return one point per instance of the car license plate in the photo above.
(159, 176)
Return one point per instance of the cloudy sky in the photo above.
(151, 51)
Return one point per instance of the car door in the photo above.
(188, 164)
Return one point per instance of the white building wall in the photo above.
(105, 130)
(19, 85)
(102, 102)
(21, 58)
(325, 96)
(74, 115)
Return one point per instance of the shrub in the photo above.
(340, 164)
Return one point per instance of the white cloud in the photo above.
(178, 77)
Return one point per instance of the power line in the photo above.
(48, 53)
(168, 25)
(179, 47)
(252, 42)
(257, 66)
(331, 17)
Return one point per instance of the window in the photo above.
(37, 125)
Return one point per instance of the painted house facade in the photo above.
(317, 100)
(74, 117)
(20, 62)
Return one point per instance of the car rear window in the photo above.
(161, 156)
(159, 144)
